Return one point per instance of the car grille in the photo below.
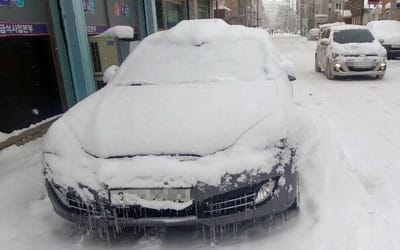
(215, 208)
(84, 208)
(357, 55)
(209, 208)
(356, 69)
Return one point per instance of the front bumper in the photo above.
(392, 51)
(348, 66)
(110, 216)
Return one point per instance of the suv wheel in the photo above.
(317, 67)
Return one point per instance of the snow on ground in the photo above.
(349, 143)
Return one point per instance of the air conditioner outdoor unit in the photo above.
(105, 52)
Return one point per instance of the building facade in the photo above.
(386, 9)
(242, 12)
(315, 12)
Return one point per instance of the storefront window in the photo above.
(204, 9)
(174, 13)
(159, 13)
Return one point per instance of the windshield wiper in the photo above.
(139, 83)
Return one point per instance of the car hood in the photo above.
(392, 40)
(358, 48)
(177, 119)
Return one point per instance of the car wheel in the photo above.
(328, 71)
(317, 67)
(379, 76)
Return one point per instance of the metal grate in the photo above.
(138, 212)
(229, 206)
(361, 69)
(94, 47)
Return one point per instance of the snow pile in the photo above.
(110, 73)
(201, 50)
(118, 31)
(6, 136)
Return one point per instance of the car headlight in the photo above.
(265, 191)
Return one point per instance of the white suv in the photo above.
(350, 50)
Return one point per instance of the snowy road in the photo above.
(349, 146)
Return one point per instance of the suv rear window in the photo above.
(353, 36)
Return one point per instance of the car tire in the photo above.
(379, 77)
(317, 67)
(328, 71)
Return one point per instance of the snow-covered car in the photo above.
(388, 31)
(194, 129)
(349, 50)
(313, 34)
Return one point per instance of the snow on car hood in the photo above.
(193, 119)
(230, 124)
(392, 40)
(359, 48)
(388, 30)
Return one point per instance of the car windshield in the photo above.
(353, 36)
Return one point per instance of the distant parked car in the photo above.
(313, 34)
(186, 133)
(388, 32)
(349, 50)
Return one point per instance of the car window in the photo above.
(353, 36)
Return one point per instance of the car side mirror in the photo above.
(324, 41)
(381, 40)
(291, 78)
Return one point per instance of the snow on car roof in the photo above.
(347, 27)
(183, 53)
(327, 25)
(385, 29)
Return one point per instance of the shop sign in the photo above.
(24, 29)
(5, 2)
(96, 29)
(373, 2)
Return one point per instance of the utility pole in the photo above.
(392, 13)
(258, 16)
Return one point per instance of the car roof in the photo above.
(347, 27)
(327, 25)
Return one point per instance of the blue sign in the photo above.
(23, 29)
(20, 3)
(88, 6)
(96, 29)
(5, 2)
